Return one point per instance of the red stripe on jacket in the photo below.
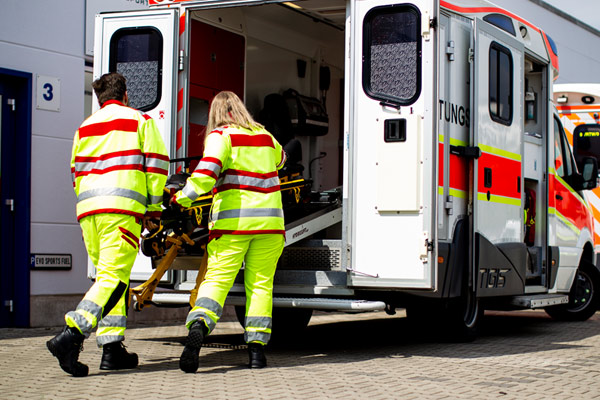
(106, 156)
(102, 128)
(251, 140)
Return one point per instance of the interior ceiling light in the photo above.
(293, 5)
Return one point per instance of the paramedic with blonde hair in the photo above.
(240, 164)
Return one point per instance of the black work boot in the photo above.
(190, 358)
(116, 356)
(256, 355)
(66, 346)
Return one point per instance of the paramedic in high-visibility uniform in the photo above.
(240, 162)
(119, 168)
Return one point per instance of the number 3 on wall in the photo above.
(48, 96)
(48, 93)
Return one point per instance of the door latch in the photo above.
(10, 203)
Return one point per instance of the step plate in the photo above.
(346, 305)
(539, 301)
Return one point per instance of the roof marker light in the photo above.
(562, 99)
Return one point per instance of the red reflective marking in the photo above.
(110, 211)
(506, 175)
(158, 156)
(206, 172)
(178, 140)
(239, 172)
(475, 10)
(154, 170)
(231, 186)
(459, 168)
(180, 100)
(109, 155)
(217, 233)
(128, 233)
(126, 239)
(570, 206)
(251, 140)
(102, 128)
(182, 24)
(127, 167)
(212, 160)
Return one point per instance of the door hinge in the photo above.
(10, 203)
(449, 205)
(450, 50)
(9, 304)
(181, 60)
(471, 54)
(12, 103)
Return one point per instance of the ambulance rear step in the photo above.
(346, 305)
(539, 300)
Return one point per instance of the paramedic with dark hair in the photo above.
(119, 168)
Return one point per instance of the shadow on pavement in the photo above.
(502, 333)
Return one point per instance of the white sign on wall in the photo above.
(48, 93)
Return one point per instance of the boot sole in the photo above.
(189, 360)
(79, 373)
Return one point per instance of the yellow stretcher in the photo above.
(182, 232)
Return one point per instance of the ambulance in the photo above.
(435, 172)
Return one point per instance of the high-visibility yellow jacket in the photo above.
(119, 163)
(240, 165)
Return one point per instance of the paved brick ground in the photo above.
(519, 355)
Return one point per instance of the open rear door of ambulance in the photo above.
(389, 147)
(499, 253)
(141, 45)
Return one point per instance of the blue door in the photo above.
(15, 183)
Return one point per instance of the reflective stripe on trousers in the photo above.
(225, 257)
(113, 253)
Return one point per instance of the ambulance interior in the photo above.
(535, 141)
(286, 61)
(276, 57)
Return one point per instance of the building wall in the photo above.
(48, 38)
(38, 37)
(577, 56)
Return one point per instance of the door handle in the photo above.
(559, 197)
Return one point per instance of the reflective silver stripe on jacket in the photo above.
(211, 166)
(113, 321)
(157, 163)
(155, 199)
(120, 192)
(247, 212)
(250, 336)
(249, 181)
(258, 322)
(106, 339)
(190, 192)
(111, 162)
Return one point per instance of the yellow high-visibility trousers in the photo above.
(225, 256)
(112, 242)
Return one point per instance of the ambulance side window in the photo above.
(392, 54)
(563, 165)
(136, 53)
(501, 84)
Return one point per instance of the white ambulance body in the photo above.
(579, 107)
(458, 190)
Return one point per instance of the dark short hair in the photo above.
(110, 86)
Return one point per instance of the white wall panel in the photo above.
(59, 239)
